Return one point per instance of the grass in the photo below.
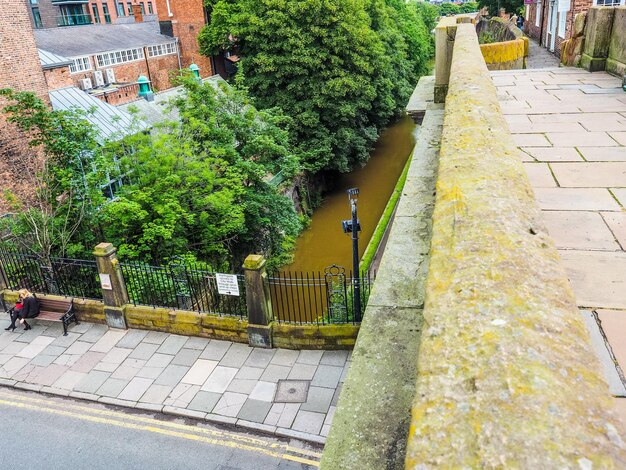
(381, 227)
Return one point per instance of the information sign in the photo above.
(105, 282)
(227, 284)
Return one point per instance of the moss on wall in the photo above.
(507, 377)
(508, 55)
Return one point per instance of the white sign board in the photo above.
(105, 282)
(227, 284)
(564, 5)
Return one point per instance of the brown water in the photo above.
(323, 243)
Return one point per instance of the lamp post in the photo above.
(353, 226)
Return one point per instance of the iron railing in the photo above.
(74, 20)
(316, 297)
(183, 286)
(59, 276)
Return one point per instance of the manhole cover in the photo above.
(292, 391)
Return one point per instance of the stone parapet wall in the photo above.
(511, 48)
(507, 377)
(506, 55)
(372, 418)
(616, 60)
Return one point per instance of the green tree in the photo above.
(200, 186)
(449, 9)
(493, 6)
(339, 68)
(469, 7)
(64, 171)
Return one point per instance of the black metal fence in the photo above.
(316, 297)
(60, 276)
(181, 286)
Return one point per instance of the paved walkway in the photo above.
(283, 392)
(571, 128)
(539, 57)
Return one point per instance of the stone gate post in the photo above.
(114, 290)
(258, 302)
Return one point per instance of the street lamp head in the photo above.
(353, 193)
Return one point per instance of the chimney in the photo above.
(137, 13)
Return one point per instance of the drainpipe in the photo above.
(169, 10)
(180, 63)
(145, 56)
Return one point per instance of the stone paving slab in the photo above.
(585, 213)
(208, 379)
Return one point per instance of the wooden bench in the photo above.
(57, 310)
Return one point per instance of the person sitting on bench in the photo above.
(14, 313)
(30, 309)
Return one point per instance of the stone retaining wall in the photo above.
(189, 323)
(507, 377)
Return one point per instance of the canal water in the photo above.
(323, 243)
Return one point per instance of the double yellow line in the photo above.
(142, 423)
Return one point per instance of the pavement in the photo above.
(571, 127)
(539, 57)
(277, 391)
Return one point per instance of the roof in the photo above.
(50, 61)
(109, 121)
(77, 41)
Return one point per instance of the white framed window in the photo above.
(607, 3)
(80, 64)
(119, 57)
(562, 23)
(162, 49)
(537, 13)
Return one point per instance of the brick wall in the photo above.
(19, 62)
(122, 95)
(187, 20)
(576, 6)
(48, 12)
(157, 69)
(16, 157)
(58, 78)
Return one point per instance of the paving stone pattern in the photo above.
(207, 379)
(571, 127)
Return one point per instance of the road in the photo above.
(57, 433)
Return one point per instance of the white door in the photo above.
(552, 24)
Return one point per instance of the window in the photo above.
(130, 8)
(608, 3)
(105, 11)
(150, 10)
(81, 64)
(162, 49)
(538, 12)
(143, 9)
(119, 57)
(37, 18)
(120, 9)
(96, 14)
(33, 2)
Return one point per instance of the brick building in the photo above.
(19, 70)
(183, 19)
(551, 22)
(108, 59)
(52, 13)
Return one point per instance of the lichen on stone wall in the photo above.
(507, 376)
